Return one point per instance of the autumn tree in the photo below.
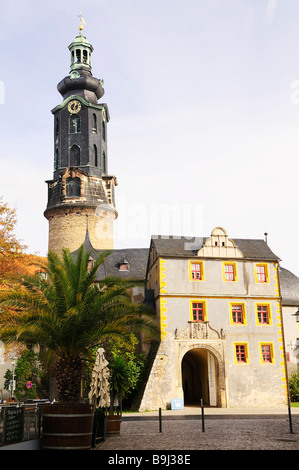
(13, 261)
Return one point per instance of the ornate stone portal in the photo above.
(201, 336)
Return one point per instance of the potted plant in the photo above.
(118, 385)
(99, 426)
(68, 313)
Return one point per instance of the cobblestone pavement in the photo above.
(225, 431)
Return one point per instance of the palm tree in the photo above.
(69, 313)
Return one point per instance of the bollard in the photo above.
(160, 420)
(290, 415)
(202, 416)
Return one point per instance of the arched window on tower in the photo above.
(94, 123)
(95, 155)
(104, 130)
(74, 124)
(74, 155)
(56, 127)
(73, 187)
(78, 55)
(84, 56)
(104, 162)
(56, 159)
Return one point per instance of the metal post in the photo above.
(202, 416)
(290, 415)
(160, 420)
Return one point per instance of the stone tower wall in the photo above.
(67, 228)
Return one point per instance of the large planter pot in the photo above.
(67, 427)
(113, 423)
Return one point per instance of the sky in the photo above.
(203, 98)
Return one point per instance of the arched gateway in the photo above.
(201, 374)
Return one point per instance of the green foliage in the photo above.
(27, 369)
(7, 379)
(294, 386)
(134, 362)
(70, 313)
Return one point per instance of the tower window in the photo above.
(56, 160)
(95, 155)
(104, 162)
(84, 57)
(94, 123)
(56, 127)
(104, 130)
(73, 187)
(75, 124)
(78, 55)
(74, 155)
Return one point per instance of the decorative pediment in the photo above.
(199, 330)
(220, 246)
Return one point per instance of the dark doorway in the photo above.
(195, 377)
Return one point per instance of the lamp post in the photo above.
(296, 314)
(12, 385)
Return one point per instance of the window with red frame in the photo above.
(198, 311)
(266, 353)
(229, 271)
(196, 271)
(263, 314)
(261, 273)
(241, 353)
(238, 313)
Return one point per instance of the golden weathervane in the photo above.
(82, 21)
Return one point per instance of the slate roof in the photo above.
(135, 257)
(187, 247)
(289, 287)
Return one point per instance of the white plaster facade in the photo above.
(217, 358)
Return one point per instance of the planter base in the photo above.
(67, 427)
(113, 425)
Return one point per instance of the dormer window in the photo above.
(90, 264)
(123, 265)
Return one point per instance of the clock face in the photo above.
(74, 106)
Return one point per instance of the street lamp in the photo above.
(12, 382)
(296, 314)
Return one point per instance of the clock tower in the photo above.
(81, 193)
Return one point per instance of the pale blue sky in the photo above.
(204, 104)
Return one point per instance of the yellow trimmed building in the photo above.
(219, 307)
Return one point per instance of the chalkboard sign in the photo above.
(13, 424)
